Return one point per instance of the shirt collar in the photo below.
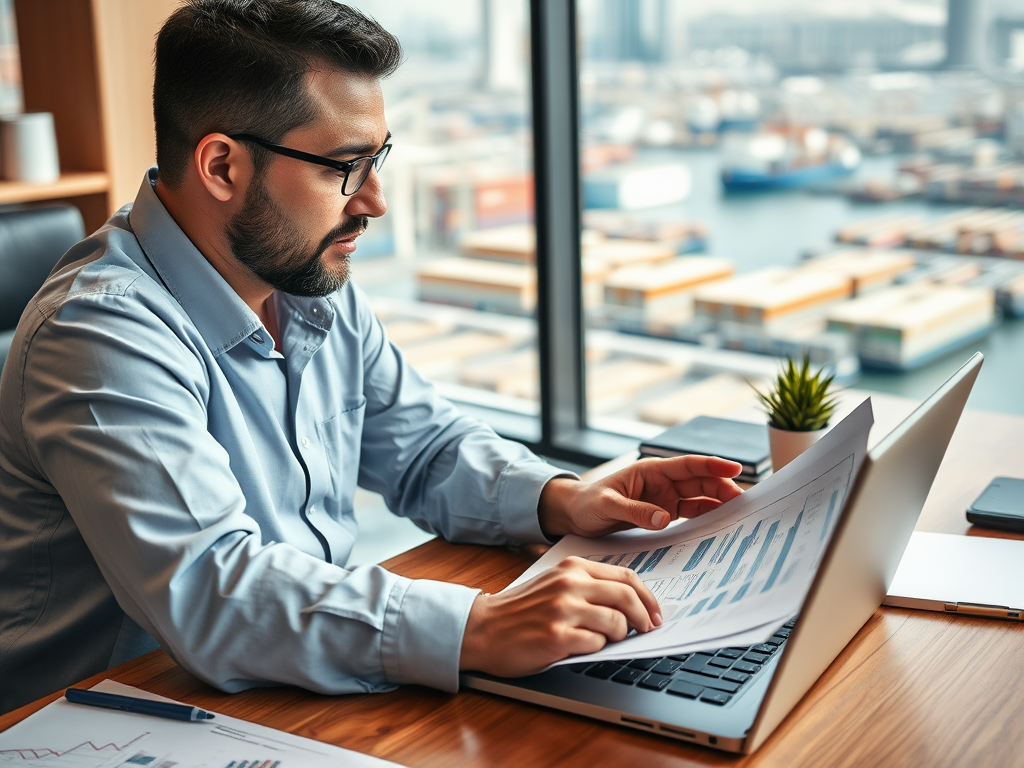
(219, 314)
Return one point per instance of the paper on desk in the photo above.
(65, 734)
(735, 575)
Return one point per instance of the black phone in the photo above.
(1001, 505)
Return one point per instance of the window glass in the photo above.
(770, 178)
(450, 267)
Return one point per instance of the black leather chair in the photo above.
(32, 240)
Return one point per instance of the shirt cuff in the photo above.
(519, 490)
(423, 628)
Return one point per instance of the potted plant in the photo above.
(799, 406)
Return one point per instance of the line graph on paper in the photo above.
(85, 754)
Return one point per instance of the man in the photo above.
(194, 395)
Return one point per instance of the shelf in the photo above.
(68, 185)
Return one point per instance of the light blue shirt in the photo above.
(156, 451)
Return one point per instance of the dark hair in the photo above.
(239, 66)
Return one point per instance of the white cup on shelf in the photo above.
(28, 148)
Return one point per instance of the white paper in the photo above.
(66, 735)
(734, 575)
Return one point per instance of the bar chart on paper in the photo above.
(722, 568)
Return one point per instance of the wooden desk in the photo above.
(912, 688)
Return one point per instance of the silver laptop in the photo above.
(733, 698)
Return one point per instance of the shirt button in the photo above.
(312, 509)
(316, 311)
(257, 338)
(305, 442)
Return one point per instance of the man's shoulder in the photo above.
(109, 262)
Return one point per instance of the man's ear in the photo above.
(224, 166)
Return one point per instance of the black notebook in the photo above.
(741, 441)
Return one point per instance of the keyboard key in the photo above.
(764, 648)
(709, 671)
(696, 662)
(775, 640)
(705, 682)
(731, 653)
(784, 632)
(684, 689)
(742, 666)
(644, 664)
(715, 697)
(736, 677)
(578, 667)
(628, 675)
(681, 657)
(790, 624)
(667, 666)
(655, 682)
(756, 658)
(604, 670)
(720, 661)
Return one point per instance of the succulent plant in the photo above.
(799, 401)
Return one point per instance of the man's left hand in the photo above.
(648, 494)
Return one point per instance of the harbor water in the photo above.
(757, 230)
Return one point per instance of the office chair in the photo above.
(32, 240)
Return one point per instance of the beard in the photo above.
(266, 242)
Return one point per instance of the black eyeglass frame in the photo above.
(376, 160)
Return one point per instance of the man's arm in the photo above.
(115, 418)
(454, 476)
(449, 473)
(578, 606)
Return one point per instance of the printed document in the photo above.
(66, 734)
(735, 575)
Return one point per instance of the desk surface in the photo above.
(912, 688)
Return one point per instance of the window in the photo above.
(450, 267)
(612, 215)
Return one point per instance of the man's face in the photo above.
(296, 231)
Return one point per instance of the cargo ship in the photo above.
(785, 159)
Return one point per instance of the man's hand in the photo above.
(575, 607)
(648, 494)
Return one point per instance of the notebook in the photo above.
(741, 441)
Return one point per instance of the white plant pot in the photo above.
(786, 445)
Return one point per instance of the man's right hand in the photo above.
(574, 608)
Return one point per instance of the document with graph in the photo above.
(733, 576)
(66, 735)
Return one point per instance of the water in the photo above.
(775, 228)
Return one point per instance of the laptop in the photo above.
(733, 698)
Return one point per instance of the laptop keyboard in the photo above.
(713, 677)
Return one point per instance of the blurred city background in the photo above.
(760, 178)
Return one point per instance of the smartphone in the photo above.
(1001, 505)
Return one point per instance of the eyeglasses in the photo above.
(356, 171)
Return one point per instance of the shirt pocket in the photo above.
(341, 436)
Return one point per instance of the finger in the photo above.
(720, 488)
(615, 573)
(622, 599)
(638, 513)
(685, 467)
(579, 641)
(609, 622)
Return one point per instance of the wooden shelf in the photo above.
(68, 185)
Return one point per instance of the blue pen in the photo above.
(131, 704)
